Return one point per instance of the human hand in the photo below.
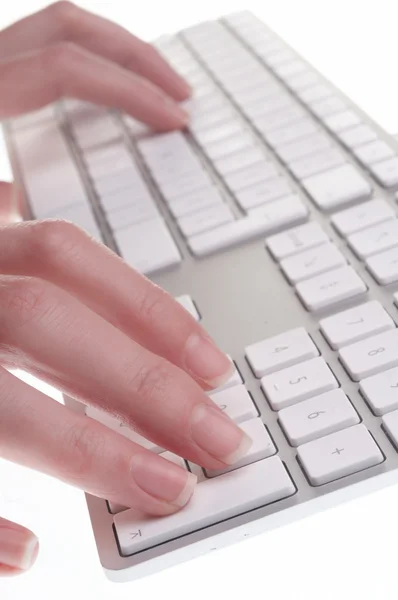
(75, 315)
(65, 51)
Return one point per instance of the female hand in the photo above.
(65, 51)
(74, 314)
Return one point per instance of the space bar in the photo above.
(214, 500)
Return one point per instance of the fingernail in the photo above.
(18, 548)
(214, 432)
(184, 89)
(179, 113)
(205, 361)
(163, 479)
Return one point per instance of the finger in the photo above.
(47, 332)
(61, 253)
(41, 434)
(64, 21)
(40, 77)
(19, 548)
(10, 203)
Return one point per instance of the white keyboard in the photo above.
(273, 221)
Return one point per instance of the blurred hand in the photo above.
(64, 51)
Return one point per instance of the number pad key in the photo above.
(298, 239)
(390, 424)
(262, 447)
(236, 402)
(298, 383)
(280, 351)
(317, 417)
(330, 288)
(375, 239)
(384, 266)
(371, 356)
(356, 324)
(312, 262)
(339, 454)
(381, 391)
(214, 500)
(365, 215)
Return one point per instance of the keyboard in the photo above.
(272, 219)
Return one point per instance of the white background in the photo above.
(345, 553)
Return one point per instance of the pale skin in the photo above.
(74, 314)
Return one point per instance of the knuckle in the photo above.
(60, 57)
(151, 383)
(152, 307)
(83, 447)
(64, 12)
(54, 241)
(24, 300)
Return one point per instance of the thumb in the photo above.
(19, 548)
(10, 203)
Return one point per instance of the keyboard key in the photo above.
(317, 417)
(51, 178)
(236, 402)
(323, 160)
(262, 447)
(373, 152)
(381, 391)
(386, 172)
(360, 217)
(290, 68)
(298, 383)
(384, 266)
(342, 120)
(229, 146)
(239, 160)
(375, 239)
(339, 186)
(250, 176)
(300, 81)
(262, 192)
(262, 221)
(214, 500)
(390, 424)
(356, 324)
(205, 220)
(290, 243)
(148, 247)
(339, 454)
(280, 351)
(186, 302)
(304, 147)
(295, 131)
(130, 215)
(371, 356)
(357, 136)
(330, 288)
(282, 118)
(194, 202)
(314, 93)
(216, 134)
(328, 106)
(103, 417)
(286, 211)
(312, 262)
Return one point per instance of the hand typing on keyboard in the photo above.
(75, 314)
